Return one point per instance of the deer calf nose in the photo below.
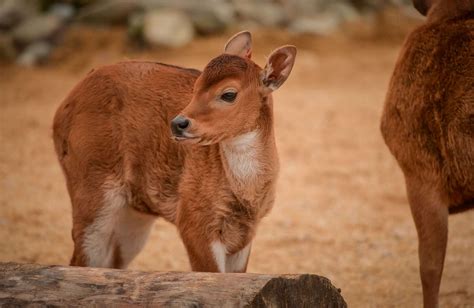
(179, 125)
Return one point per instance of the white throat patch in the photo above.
(241, 154)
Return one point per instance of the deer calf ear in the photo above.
(240, 45)
(278, 67)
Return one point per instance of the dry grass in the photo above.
(341, 209)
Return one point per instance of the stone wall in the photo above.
(29, 29)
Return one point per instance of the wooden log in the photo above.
(40, 285)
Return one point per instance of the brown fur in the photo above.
(115, 126)
(428, 125)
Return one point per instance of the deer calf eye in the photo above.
(229, 96)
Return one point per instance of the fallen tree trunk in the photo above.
(32, 284)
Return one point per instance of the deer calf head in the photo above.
(229, 95)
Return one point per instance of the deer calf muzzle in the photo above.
(179, 126)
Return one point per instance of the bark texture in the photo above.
(40, 285)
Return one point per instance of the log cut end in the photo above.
(299, 291)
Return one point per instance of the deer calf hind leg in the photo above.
(430, 214)
(113, 236)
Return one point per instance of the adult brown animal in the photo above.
(428, 125)
(216, 179)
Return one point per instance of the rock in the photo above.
(135, 26)
(322, 24)
(7, 48)
(41, 27)
(368, 5)
(12, 12)
(167, 27)
(34, 54)
(148, 5)
(265, 13)
(108, 11)
(299, 8)
(206, 22)
(332, 15)
(64, 11)
(212, 18)
(343, 10)
(208, 16)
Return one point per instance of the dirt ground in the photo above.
(341, 209)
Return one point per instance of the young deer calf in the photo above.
(213, 177)
(428, 125)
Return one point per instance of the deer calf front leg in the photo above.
(212, 255)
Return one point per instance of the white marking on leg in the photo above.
(238, 261)
(220, 253)
(98, 242)
(116, 225)
(241, 154)
(131, 232)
